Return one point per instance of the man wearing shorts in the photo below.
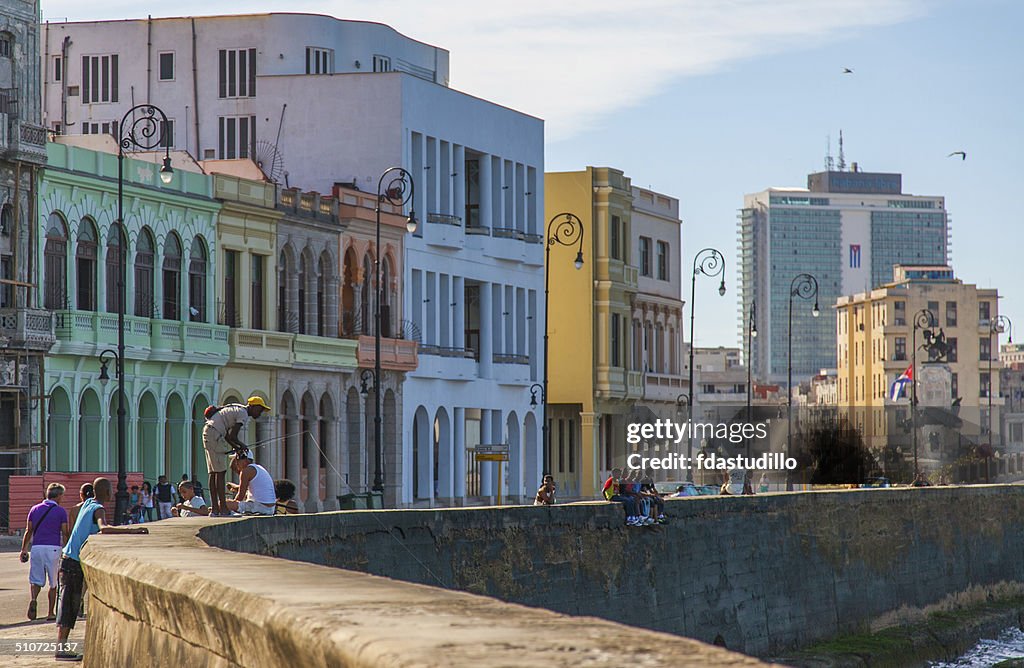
(92, 519)
(221, 430)
(46, 531)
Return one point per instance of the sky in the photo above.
(707, 100)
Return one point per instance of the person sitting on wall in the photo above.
(284, 490)
(254, 493)
(611, 492)
(546, 493)
(650, 492)
(193, 504)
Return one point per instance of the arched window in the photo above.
(113, 267)
(6, 220)
(365, 312)
(385, 297)
(172, 278)
(321, 296)
(55, 259)
(282, 292)
(197, 281)
(144, 275)
(85, 266)
(305, 275)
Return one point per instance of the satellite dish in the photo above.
(269, 160)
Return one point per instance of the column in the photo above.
(459, 181)
(244, 303)
(292, 290)
(101, 274)
(486, 330)
(459, 312)
(459, 453)
(313, 463)
(486, 191)
(312, 279)
(293, 459)
(446, 469)
(486, 468)
(589, 446)
(331, 302)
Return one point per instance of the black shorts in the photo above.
(72, 583)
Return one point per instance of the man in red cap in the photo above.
(222, 429)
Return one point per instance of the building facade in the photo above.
(847, 229)
(473, 271)
(875, 341)
(594, 378)
(26, 329)
(174, 347)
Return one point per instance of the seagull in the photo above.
(847, 70)
(962, 154)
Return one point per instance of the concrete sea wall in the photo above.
(766, 574)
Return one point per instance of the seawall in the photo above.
(768, 574)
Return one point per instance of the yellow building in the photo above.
(592, 384)
(875, 338)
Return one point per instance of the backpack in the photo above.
(211, 411)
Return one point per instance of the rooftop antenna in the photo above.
(829, 163)
(842, 160)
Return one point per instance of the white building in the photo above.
(350, 99)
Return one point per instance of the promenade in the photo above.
(14, 626)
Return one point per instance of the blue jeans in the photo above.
(628, 504)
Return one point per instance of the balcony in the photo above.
(511, 368)
(250, 346)
(447, 363)
(634, 384)
(29, 329)
(663, 387)
(395, 354)
(319, 351)
(630, 277)
(444, 230)
(81, 332)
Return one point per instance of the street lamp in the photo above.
(751, 335)
(923, 319)
(999, 324)
(568, 231)
(399, 191)
(805, 287)
(709, 262)
(145, 132)
(534, 389)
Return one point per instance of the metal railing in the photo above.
(444, 219)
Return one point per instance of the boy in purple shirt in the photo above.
(46, 531)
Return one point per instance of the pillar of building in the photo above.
(589, 447)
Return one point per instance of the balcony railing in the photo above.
(478, 230)
(443, 219)
(504, 232)
(533, 238)
(448, 351)
(31, 328)
(510, 358)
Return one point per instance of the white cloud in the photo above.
(573, 63)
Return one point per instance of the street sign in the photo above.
(491, 458)
(492, 449)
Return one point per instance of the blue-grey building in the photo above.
(847, 229)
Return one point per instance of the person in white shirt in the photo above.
(193, 505)
(222, 429)
(255, 489)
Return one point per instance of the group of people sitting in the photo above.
(255, 494)
(636, 492)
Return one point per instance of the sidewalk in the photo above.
(14, 625)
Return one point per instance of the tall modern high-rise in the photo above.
(847, 229)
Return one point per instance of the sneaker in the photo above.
(67, 656)
(632, 522)
(648, 521)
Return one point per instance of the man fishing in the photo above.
(222, 429)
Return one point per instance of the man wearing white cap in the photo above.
(222, 429)
(254, 493)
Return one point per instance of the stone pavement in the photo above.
(14, 625)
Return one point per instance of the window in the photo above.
(984, 384)
(237, 69)
(645, 256)
(900, 316)
(172, 278)
(55, 256)
(230, 316)
(257, 291)
(615, 241)
(167, 134)
(950, 314)
(100, 128)
(58, 68)
(984, 311)
(934, 308)
(167, 66)
(381, 64)
(954, 385)
(615, 340)
(197, 281)
(984, 348)
(900, 353)
(99, 79)
(6, 45)
(85, 266)
(144, 275)
(662, 261)
(113, 262)
(318, 61)
(237, 137)
(6, 273)
(951, 351)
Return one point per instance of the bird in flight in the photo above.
(847, 70)
(962, 154)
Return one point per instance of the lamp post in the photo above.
(145, 132)
(751, 335)
(923, 319)
(804, 286)
(709, 262)
(568, 230)
(399, 191)
(998, 325)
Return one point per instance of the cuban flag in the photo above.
(854, 256)
(904, 379)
